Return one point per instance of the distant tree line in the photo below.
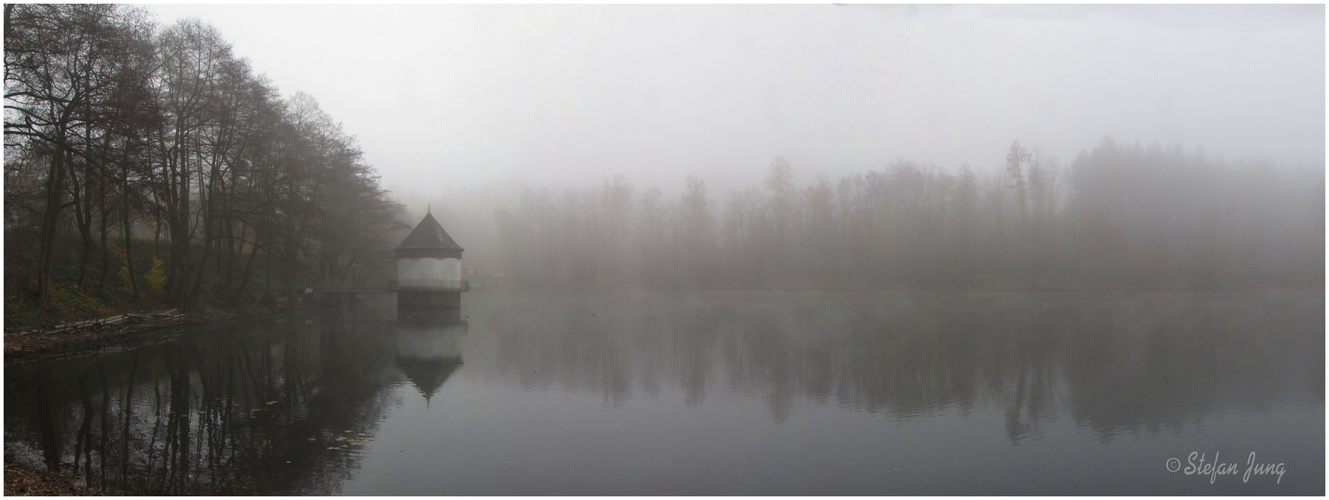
(117, 130)
(1120, 216)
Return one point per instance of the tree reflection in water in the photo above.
(254, 409)
(286, 408)
(1112, 362)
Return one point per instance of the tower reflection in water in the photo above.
(425, 346)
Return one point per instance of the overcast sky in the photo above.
(451, 95)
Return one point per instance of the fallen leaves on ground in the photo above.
(22, 479)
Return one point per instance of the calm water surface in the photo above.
(650, 392)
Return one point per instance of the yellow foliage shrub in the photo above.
(156, 278)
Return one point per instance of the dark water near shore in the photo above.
(649, 392)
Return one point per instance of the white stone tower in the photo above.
(429, 268)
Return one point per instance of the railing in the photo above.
(430, 285)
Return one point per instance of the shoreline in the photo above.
(68, 338)
(74, 337)
(907, 289)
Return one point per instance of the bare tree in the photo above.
(73, 75)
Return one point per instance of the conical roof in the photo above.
(429, 374)
(429, 234)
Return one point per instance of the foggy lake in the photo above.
(814, 249)
(635, 391)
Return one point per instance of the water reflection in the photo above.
(256, 409)
(290, 408)
(1115, 363)
(426, 350)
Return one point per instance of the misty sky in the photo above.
(447, 96)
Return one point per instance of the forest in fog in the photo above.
(1118, 216)
(150, 163)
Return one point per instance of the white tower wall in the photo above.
(429, 269)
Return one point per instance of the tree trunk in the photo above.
(244, 278)
(129, 242)
(55, 184)
(180, 259)
(83, 218)
(101, 192)
(267, 273)
(205, 205)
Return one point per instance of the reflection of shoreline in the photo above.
(1041, 291)
(162, 418)
(1092, 364)
(207, 412)
(1032, 356)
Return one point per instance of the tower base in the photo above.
(427, 300)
